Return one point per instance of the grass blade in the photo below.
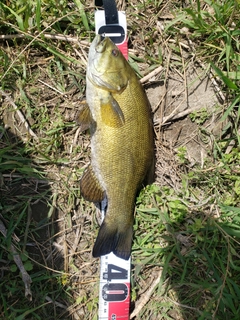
(229, 83)
(38, 15)
(18, 18)
(82, 14)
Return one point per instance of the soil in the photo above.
(64, 243)
(69, 226)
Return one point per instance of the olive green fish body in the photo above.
(121, 144)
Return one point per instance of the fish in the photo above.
(118, 113)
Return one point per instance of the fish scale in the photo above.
(122, 148)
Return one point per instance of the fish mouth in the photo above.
(98, 39)
(95, 70)
(100, 44)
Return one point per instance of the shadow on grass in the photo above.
(31, 219)
(197, 251)
(197, 254)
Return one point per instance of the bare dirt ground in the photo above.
(65, 242)
(189, 93)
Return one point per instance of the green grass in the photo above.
(192, 232)
(194, 236)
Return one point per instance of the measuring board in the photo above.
(114, 288)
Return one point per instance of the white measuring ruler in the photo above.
(114, 288)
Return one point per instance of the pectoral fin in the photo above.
(84, 117)
(111, 112)
(90, 187)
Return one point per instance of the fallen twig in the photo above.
(19, 113)
(231, 144)
(211, 75)
(215, 85)
(47, 36)
(17, 259)
(144, 299)
(175, 116)
(184, 305)
(151, 74)
(51, 87)
(66, 38)
(33, 39)
(57, 304)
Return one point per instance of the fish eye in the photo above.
(115, 52)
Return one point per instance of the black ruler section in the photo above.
(111, 13)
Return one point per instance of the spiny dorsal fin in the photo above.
(111, 112)
(90, 187)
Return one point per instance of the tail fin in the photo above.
(110, 239)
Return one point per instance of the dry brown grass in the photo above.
(47, 91)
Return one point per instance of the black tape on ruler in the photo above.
(110, 8)
(112, 23)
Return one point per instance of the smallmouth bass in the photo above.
(122, 144)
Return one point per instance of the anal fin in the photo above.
(90, 187)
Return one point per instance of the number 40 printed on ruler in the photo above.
(114, 291)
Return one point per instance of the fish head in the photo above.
(107, 67)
